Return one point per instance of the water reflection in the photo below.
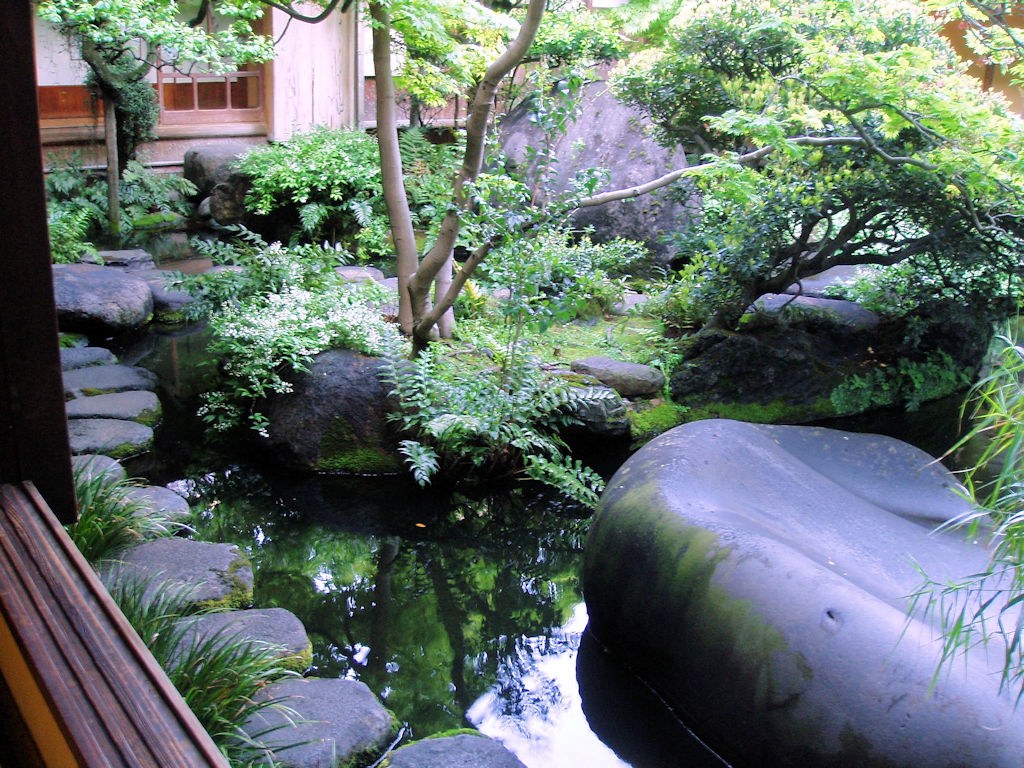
(456, 610)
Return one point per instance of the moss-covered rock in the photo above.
(335, 418)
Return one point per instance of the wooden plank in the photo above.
(33, 429)
(109, 695)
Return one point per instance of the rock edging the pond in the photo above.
(758, 575)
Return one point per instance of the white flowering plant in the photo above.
(271, 313)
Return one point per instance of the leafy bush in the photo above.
(77, 204)
(481, 425)
(329, 180)
(909, 383)
(271, 311)
(552, 278)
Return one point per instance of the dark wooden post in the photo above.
(33, 426)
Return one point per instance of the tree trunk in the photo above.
(113, 174)
(407, 258)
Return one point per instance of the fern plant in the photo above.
(480, 425)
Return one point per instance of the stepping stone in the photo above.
(84, 357)
(337, 721)
(263, 627)
(169, 303)
(89, 465)
(91, 298)
(116, 438)
(104, 379)
(357, 274)
(162, 501)
(216, 575)
(130, 259)
(465, 750)
(628, 379)
(137, 405)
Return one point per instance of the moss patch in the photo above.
(342, 451)
(775, 412)
(647, 424)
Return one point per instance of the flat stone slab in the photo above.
(628, 379)
(356, 274)
(83, 357)
(464, 750)
(136, 405)
(116, 438)
(131, 259)
(208, 573)
(265, 627)
(758, 577)
(847, 312)
(105, 379)
(162, 501)
(94, 298)
(89, 465)
(338, 719)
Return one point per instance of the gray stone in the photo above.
(84, 357)
(203, 210)
(129, 259)
(89, 465)
(630, 302)
(628, 379)
(600, 418)
(227, 200)
(213, 574)
(337, 720)
(357, 274)
(100, 299)
(840, 311)
(615, 137)
(274, 628)
(334, 419)
(464, 750)
(207, 165)
(169, 301)
(105, 379)
(116, 438)
(135, 405)
(163, 501)
(818, 286)
(758, 577)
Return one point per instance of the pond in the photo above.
(456, 610)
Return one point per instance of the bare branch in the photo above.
(298, 16)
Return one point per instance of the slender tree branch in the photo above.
(288, 9)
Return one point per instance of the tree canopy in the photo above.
(836, 132)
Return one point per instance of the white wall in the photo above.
(314, 77)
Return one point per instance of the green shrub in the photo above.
(328, 180)
(909, 383)
(271, 314)
(476, 425)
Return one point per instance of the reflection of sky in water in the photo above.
(535, 708)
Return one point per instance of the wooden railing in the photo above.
(84, 687)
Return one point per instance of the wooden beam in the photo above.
(88, 689)
(33, 426)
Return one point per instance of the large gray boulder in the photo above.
(617, 138)
(207, 165)
(334, 420)
(758, 577)
(95, 299)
